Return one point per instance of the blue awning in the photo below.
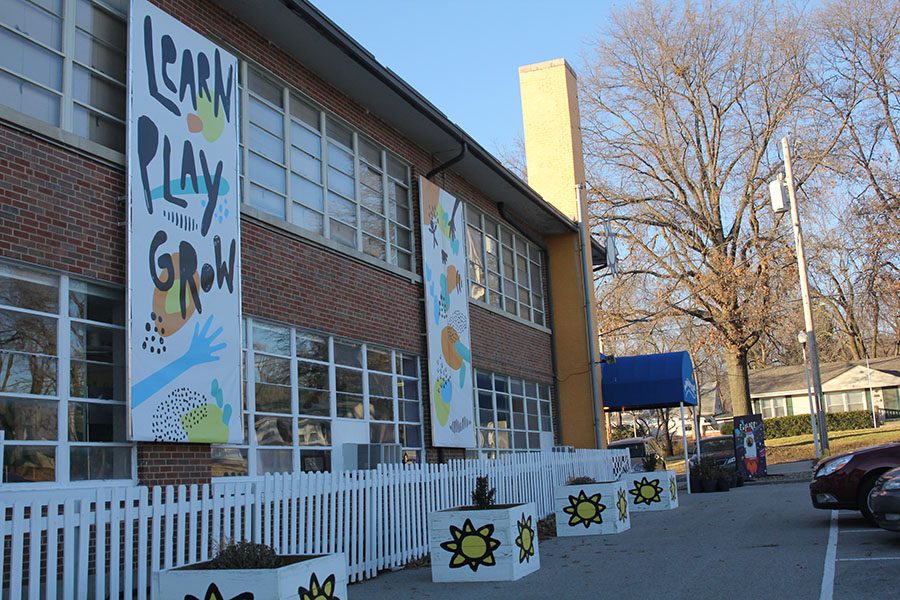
(649, 381)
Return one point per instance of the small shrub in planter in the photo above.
(246, 570)
(484, 541)
(707, 472)
(649, 462)
(586, 507)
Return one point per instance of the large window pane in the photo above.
(94, 422)
(29, 419)
(274, 461)
(229, 462)
(313, 432)
(24, 288)
(23, 464)
(100, 462)
(273, 431)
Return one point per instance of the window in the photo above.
(774, 407)
(62, 348)
(511, 414)
(891, 398)
(504, 268)
(847, 401)
(306, 167)
(63, 62)
(299, 382)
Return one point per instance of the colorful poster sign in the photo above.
(750, 446)
(184, 305)
(447, 316)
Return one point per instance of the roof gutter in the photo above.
(318, 21)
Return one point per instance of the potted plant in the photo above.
(649, 462)
(707, 473)
(586, 507)
(651, 490)
(484, 541)
(245, 571)
(723, 480)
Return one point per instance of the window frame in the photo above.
(540, 389)
(359, 162)
(63, 397)
(65, 96)
(252, 446)
(520, 246)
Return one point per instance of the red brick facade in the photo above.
(63, 209)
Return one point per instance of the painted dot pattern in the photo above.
(166, 425)
(155, 340)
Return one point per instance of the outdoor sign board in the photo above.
(750, 446)
(447, 317)
(184, 305)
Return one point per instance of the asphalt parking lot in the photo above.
(863, 561)
(761, 541)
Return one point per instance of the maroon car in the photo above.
(844, 481)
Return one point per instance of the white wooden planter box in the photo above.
(654, 490)
(591, 509)
(497, 544)
(327, 573)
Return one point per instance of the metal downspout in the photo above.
(586, 274)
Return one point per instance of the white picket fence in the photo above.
(105, 542)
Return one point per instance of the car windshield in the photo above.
(717, 446)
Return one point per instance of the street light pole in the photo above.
(804, 292)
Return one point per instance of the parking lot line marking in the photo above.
(870, 530)
(870, 558)
(827, 591)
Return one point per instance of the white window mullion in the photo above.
(396, 397)
(66, 114)
(323, 141)
(245, 136)
(386, 199)
(286, 142)
(63, 352)
(332, 379)
(363, 353)
(356, 191)
(295, 404)
(251, 401)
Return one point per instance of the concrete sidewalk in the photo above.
(752, 542)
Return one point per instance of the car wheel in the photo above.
(862, 497)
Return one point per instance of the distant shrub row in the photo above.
(779, 427)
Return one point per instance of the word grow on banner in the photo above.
(447, 317)
(184, 317)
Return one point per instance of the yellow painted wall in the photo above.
(555, 166)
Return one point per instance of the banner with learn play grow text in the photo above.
(447, 315)
(184, 284)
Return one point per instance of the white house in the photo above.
(847, 386)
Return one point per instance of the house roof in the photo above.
(305, 33)
(791, 378)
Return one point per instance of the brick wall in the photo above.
(173, 464)
(64, 210)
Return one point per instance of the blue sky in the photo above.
(464, 55)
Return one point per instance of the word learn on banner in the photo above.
(184, 287)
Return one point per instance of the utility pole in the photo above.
(801, 337)
(804, 292)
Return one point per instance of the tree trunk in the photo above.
(738, 380)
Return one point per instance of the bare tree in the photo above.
(682, 104)
(857, 253)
